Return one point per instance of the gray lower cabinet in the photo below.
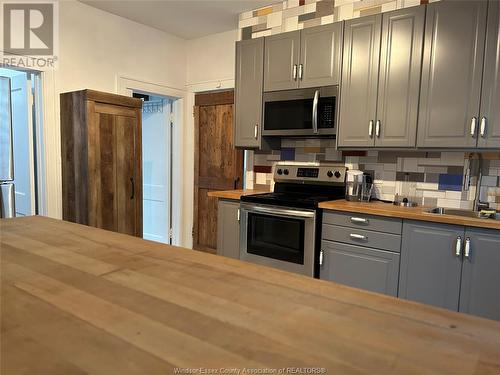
(248, 92)
(399, 78)
(489, 133)
(281, 61)
(320, 55)
(359, 81)
(452, 71)
(480, 288)
(228, 229)
(360, 267)
(431, 265)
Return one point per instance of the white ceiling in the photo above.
(187, 19)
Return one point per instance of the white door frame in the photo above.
(126, 86)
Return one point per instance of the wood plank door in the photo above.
(218, 165)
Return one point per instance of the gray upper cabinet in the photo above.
(431, 263)
(281, 63)
(228, 229)
(452, 74)
(358, 105)
(480, 294)
(489, 131)
(320, 55)
(248, 92)
(399, 79)
(360, 267)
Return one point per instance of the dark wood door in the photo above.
(113, 174)
(218, 165)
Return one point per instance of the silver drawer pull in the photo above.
(358, 237)
(458, 247)
(482, 128)
(473, 127)
(370, 129)
(321, 255)
(359, 220)
(467, 249)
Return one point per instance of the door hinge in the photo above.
(170, 233)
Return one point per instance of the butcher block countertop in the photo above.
(234, 194)
(80, 300)
(414, 213)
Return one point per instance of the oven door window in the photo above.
(276, 237)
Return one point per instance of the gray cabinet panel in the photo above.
(363, 221)
(280, 57)
(452, 72)
(490, 100)
(228, 229)
(358, 102)
(320, 55)
(360, 267)
(361, 237)
(399, 79)
(480, 293)
(248, 92)
(430, 270)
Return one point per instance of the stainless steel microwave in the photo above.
(301, 112)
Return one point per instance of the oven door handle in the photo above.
(278, 211)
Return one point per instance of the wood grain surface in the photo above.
(234, 194)
(413, 213)
(82, 300)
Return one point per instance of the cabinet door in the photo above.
(248, 92)
(490, 108)
(430, 267)
(360, 267)
(451, 75)
(399, 79)
(228, 229)
(358, 102)
(480, 293)
(320, 55)
(281, 60)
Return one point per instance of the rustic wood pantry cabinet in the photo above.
(101, 160)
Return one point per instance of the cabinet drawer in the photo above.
(362, 237)
(361, 221)
(360, 267)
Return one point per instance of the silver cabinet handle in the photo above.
(482, 127)
(377, 128)
(359, 220)
(238, 215)
(256, 131)
(321, 257)
(294, 72)
(315, 112)
(458, 247)
(358, 236)
(301, 71)
(473, 126)
(370, 128)
(467, 249)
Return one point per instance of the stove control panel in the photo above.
(328, 173)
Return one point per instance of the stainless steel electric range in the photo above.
(282, 229)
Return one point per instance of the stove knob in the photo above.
(286, 172)
(279, 171)
(329, 174)
(337, 174)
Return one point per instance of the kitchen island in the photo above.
(81, 300)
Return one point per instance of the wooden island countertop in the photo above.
(412, 213)
(234, 194)
(80, 300)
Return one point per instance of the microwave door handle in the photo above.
(315, 112)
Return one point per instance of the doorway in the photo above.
(157, 124)
(218, 165)
(25, 145)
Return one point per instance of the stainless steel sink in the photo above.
(459, 212)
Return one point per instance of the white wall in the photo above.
(211, 66)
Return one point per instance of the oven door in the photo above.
(278, 237)
(300, 112)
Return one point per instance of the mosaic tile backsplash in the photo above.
(437, 176)
(291, 15)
